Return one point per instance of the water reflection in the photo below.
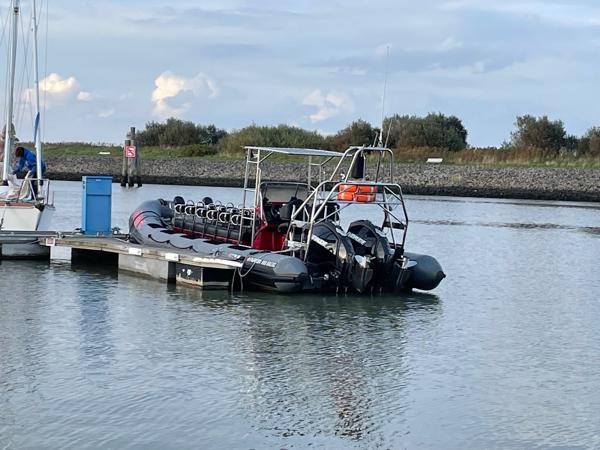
(96, 344)
(320, 363)
(500, 202)
(516, 226)
(591, 230)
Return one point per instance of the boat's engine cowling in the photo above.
(370, 242)
(331, 254)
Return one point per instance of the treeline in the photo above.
(434, 131)
(178, 133)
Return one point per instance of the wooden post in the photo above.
(137, 161)
(132, 165)
(124, 169)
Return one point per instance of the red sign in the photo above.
(130, 151)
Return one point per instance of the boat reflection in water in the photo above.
(323, 365)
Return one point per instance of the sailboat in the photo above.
(25, 207)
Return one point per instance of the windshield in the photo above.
(283, 192)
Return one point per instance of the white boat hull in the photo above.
(19, 217)
(24, 217)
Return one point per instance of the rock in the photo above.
(469, 181)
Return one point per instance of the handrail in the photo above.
(257, 155)
(320, 203)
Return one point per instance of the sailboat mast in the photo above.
(37, 129)
(9, 138)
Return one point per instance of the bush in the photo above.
(269, 136)
(358, 132)
(539, 132)
(433, 131)
(589, 144)
(176, 132)
(196, 150)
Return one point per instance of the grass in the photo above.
(494, 157)
(83, 149)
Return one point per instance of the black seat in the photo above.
(286, 210)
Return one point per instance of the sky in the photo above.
(314, 64)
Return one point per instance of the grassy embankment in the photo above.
(530, 157)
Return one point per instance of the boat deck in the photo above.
(180, 266)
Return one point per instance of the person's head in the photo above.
(19, 151)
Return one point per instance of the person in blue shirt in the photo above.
(27, 161)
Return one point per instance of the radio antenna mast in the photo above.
(387, 60)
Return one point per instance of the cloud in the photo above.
(450, 43)
(573, 14)
(328, 105)
(56, 86)
(106, 113)
(171, 96)
(56, 89)
(84, 96)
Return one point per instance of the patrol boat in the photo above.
(290, 237)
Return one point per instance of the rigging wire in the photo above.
(22, 103)
(8, 39)
(4, 28)
(41, 125)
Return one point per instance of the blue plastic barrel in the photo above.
(96, 205)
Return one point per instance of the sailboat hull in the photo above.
(21, 216)
(24, 216)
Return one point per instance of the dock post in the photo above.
(132, 161)
(124, 170)
(138, 158)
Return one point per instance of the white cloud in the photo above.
(450, 43)
(84, 96)
(328, 105)
(55, 89)
(564, 13)
(106, 113)
(170, 86)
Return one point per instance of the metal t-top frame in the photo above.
(327, 187)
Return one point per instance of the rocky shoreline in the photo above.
(424, 179)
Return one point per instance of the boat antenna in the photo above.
(387, 138)
(387, 60)
(8, 135)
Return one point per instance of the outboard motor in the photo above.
(370, 243)
(331, 255)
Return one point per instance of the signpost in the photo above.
(130, 151)
(131, 161)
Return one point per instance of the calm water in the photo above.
(504, 355)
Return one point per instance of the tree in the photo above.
(210, 134)
(358, 132)
(434, 130)
(176, 132)
(269, 136)
(539, 132)
(589, 144)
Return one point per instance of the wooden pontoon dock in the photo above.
(180, 266)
